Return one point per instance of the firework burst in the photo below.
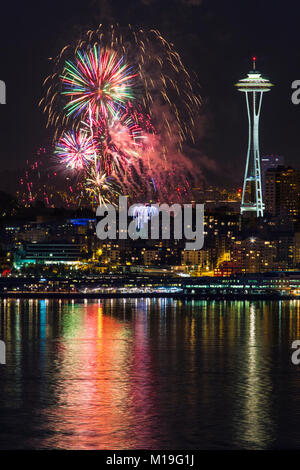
(163, 87)
(120, 141)
(97, 80)
(139, 115)
(102, 188)
(75, 150)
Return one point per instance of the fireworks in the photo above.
(120, 141)
(98, 81)
(75, 150)
(163, 86)
(47, 185)
(100, 187)
(123, 104)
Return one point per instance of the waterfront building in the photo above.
(48, 253)
(254, 255)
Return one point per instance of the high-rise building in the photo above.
(282, 192)
(254, 86)
(296, 249)
(254, 255)
(195, 257)
(267, 162)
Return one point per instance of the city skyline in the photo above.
(149, 228)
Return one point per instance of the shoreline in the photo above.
(174, 296)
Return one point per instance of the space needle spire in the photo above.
(254, 86)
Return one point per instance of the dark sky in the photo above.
(215, 38)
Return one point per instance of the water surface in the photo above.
(149, 374)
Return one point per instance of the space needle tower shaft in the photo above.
(254, 86)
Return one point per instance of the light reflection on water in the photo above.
(155, 374)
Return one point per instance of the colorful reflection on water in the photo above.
(154, 374)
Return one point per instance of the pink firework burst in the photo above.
(75, 150)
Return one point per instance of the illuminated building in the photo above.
(282, 191)
(226, 269)
(267, 162)
(5, 260)
(270, 283)
(285, 250)
(114, 256)
(195, 258)
(254, 255)
(151, 257)
(49, 253)
(254, 86)
(296, 249)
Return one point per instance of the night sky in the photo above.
(215, 38)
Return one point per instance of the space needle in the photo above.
(254, 86)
